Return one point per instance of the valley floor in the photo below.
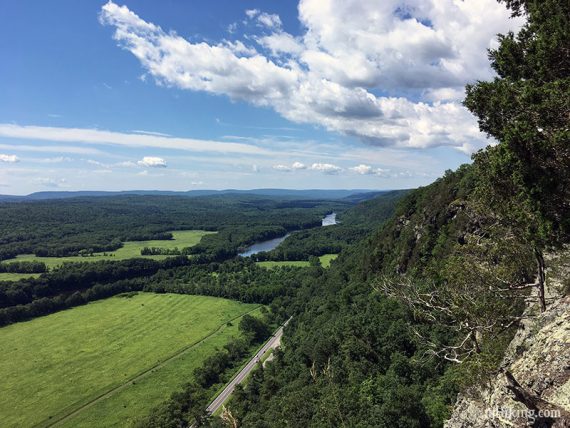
(109, 361)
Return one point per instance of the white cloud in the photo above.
(95, 163)
(252, 13)
(298, 165)
(160, 134)
(50, 149)
(9, 158)
(351, 50)
(281, 43)
(152, 162)
(232, 28)
(326, 168)
(58, 159)
(50, 182)
(282, 168)
(363, 169)
(268, 20)
(96, 136)
(109, 167)
(126, 164)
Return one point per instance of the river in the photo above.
(271, 244)
(329, 220)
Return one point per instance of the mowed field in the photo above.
(17, 276)
(109, 361)
(325, 262)
(129, 250)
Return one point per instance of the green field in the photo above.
(17, 276)
(327, 259)
(325, 262)
(129, 250)
(271, 265)
(86, 359)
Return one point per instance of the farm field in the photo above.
(325, 262)
(129, 250)
(5, 276)
(70, 358)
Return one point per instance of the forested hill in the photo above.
(425, 307)
(355, 194)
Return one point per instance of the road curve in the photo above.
(272, 343)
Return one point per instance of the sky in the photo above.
(179, 95)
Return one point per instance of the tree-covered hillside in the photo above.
(425, 306)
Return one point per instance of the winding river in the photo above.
(271, 244)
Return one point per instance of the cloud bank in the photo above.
(388, 72)
(96, 136)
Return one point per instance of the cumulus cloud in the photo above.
(252, 13)
(364, 169)
(326, 168)
(419, 56)
(152, 162)
(298, 165)
(9, 158)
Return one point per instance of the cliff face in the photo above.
(533, 386)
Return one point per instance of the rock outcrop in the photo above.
(533, 385)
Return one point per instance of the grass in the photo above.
(271, 265)
(53, 365)
(129, 250)
(17, 276)
(325, 262)
(327, 259)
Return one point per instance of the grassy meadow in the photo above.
(327, 259)
(5, 276)
(110, 360)
(271, 265)
(129, 250)
(325, 262)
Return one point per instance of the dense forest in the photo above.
(212, 268)
(68, 226)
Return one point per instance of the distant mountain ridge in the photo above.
(360, 194)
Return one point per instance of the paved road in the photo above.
(271, 344)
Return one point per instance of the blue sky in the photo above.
(177, 95)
